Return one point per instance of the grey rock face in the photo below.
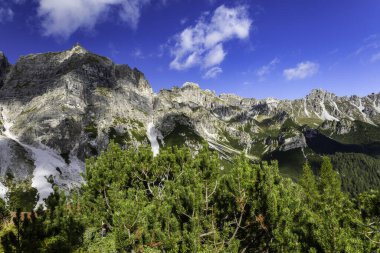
(59, 94)
(343, 126)
(4, 68)
(15, 160)
(65, 105)
(298, 141)
(74, 102)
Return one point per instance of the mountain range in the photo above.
(59, 108)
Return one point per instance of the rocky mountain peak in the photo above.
(317, 93)
(77, 49)
(190, 85)
(125, 75)
(66, 106)
(320, 95)
(271, 100)
(231, 99)
(35, 74)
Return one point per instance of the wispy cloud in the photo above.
(334, 51)
(6, 14)
(265, 70)
(183, 21)
(63, 18)
(202, 44)
(6, 9)
(369, 44)
(113, 50)
(137, 53)
(371, 37)
(213, 73)
(302, 70)
(375, 57)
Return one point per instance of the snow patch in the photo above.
(361, 108)
(3, 191)
(325, 115)
(303, 153)
(305, 108)
(265, 150)
(48, 163)
(375, 106)
(336, 106)
(210, 135)
(152, 136)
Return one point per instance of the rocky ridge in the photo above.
(68, 106)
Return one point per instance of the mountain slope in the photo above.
(69, 105)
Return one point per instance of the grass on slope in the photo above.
(180, 135)
(291, 162)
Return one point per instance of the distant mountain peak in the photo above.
(190, 84)
(320, 94)
(318, 91)
(78, 48)
(69, 105)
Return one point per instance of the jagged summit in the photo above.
(77, 49)
(320, 94)
(66, 106)
(78, 46)
(317, 91)
(190, 85)
(35, 74)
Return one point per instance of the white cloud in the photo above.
(267, 69)
(375, 57)
(6, 14)
(62, 18)
(202, 44)
(212, 73)
(302, 70)
(215, 56)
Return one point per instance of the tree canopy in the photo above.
(184, 201)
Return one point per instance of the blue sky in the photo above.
(254, 48)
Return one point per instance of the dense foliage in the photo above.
(179, 201)
(359, 172)
(56, 229)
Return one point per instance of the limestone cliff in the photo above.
(59, 108)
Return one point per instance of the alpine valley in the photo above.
(57, 109)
